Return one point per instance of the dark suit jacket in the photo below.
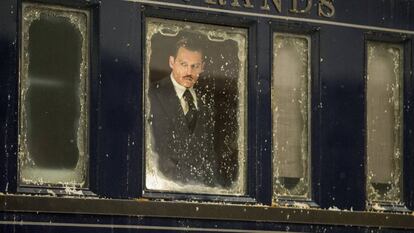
(184, 156)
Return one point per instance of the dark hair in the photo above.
(190, 41)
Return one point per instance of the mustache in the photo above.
(188, 76)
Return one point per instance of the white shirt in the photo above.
(179, 90)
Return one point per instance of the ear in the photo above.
(202, 67)
(171, 61)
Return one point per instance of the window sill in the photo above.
(193, 210)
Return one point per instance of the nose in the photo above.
(188, 70)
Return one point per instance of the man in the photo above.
(182, 124)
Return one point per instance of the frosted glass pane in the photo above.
(53, 96)
(209, 61)
(384, 121)
(290, 105)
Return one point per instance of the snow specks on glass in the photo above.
(212, 157)
(384, 88)
(53, 110)
(291, 118)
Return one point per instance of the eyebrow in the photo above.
(182, 61)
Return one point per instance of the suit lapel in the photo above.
(171, 104)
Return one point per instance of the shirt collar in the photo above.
(180, 89)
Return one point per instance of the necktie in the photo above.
(191, 115)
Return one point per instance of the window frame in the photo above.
(220, 20)
(407, 127)
(314, 111)
(92, 100)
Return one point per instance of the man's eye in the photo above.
(183, 64)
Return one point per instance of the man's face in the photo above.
(186, 67)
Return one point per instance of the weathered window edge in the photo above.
(62, 11)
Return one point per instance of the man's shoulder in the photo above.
(160, 86)
(161, 89)
(166, 81)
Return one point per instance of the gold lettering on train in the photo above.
(326, 8)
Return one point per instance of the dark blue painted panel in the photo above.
(120, 115)
(409, 132)
(8, 94)
(342, 113)
(83, 223)
(263, 113)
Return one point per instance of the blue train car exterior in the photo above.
(338, 38)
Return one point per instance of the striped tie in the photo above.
(191, 115)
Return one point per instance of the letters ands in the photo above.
(326, 8)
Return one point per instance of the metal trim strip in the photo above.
(194, 210)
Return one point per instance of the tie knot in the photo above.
(188, 96)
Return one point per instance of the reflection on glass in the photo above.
(53, 96)
(384, 121)
(195, 107)
(290, 104)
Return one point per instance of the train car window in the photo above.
(290, 115)
(196, 107)
(53, 111)
(384, 122)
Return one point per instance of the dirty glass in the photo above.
(384, 105)
(195, 95)
(290, 114)
(53, 96)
